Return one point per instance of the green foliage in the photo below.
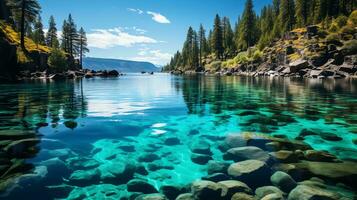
(350, 47)
(248, 27)
(217, 38)
(57, 60)
(215, 65)
(334, 28)
(302, 12)
(352, 20)
(51, 36)
(83, 49)
(341, 21)
(38, 34)
(287, 15)
(333, 38)
(23, 12)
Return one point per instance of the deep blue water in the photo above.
(87, 122)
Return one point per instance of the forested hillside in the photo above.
(253, 35)
(25, 46)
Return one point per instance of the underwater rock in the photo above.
(283, 180)
(246, 153)
(230, 187)
(274, 196)
(266, 190)
(156, 196)
(148, 157)
(217, 167)
(186, 196)
(206, 190)
(81, 163)
(103, 191)
(140, 169)
(193, 132)
(62, 154)
(330, 137)
(118, 172)
(284, 156)
(242, 196)
(127, 148)
(216, 177)
(158, 165)
(85, 177)
(57, 170)
(172, 141)
(321, 156)
(59, 191)
(200, 159)
(255, 173)
(235, 140)
(248, 112)
(303, 192)
(201, 147)
(25, 148)
(345, 172)
(137, 185)
(172, 192)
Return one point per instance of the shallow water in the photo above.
(98, 125)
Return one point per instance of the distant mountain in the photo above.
(125, 66)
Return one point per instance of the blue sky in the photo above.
(144, 30)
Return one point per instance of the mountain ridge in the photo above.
(121, 65)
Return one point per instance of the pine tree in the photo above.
(287, 15)
(195, 51)
(202, 44)
(228, 39)
(276, 6)
(82, 45)
(248, 26)
(217, 38)
(26, 10)
(267, 22)
(73, 36)
(65, 37)
(302, 12)
(38, 34)
(187, 51)
(51, 36)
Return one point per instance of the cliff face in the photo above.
(8, 59)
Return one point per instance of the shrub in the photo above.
(350, 47)
(57, 61)
(333, 28)
(341, 21)
(333, 38)
(347, 30)
(215, 65)
(352, 20)
(257, 55)
(242, 58)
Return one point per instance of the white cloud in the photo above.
(154, 56)
(135, 10)
(158, 17)
(108, 38)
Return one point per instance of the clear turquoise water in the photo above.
(89, 122)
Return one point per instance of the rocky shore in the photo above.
(306, 52)
(71, 74)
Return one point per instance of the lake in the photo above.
(81, 138)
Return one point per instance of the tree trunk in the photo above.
(23, 24)
(81, 55)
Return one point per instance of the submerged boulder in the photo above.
(200, 159)
(206, 190)
(137, 185)
(304, 192)
(253, 172)
(156, 196)
(283, 180)
(246, 153)
(267, 190)
(230, 187)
